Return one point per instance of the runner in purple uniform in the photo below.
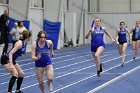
(97, 42)
(43, 62)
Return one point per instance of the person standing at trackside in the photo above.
(97, 42)
(21, 28)
(9, 62)
(135, 35)
(121, 39)
(42, 60)
(15, 32)
(4, 21)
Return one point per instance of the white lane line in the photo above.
(19, 60)
(75, 72)
(68, 55)
(53, 62)
(68, 73)
(112, 73)
(56, 62)
(114, 80)
(71, 72)
(88, 77)
(80, 62)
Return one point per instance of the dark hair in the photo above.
(19, 23)
(26, 34)
(39, 34)
(122, 22)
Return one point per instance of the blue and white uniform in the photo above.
(97, 39)
(45, 58)
(136, 34)
(122, 36)
(18, 53)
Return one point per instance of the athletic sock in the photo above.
(19, 82)
(11, 83)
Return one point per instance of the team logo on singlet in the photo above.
(99, 32)
(123, 32)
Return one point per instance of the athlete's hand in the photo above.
(117, 42)
(113, 40)
(51, 53)
(89, 30)
(38, 56)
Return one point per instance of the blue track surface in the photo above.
(75, 72)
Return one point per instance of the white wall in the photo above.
(64, 5)
(76, 6)
(2, 8)
(115, 6)
(51, 10)
(18, 9)
(36, 24)
(135, 5)
(3, 1)
(36, 21)
(70, 26)
(93, 6)
(111, 21)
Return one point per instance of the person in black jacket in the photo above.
(4, 30)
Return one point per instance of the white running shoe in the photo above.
(50, 87)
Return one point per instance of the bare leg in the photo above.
(124, 46)
(135, 45)
(50, 75)
(96, 56)
(120, 48)
(40, 76)
(14, 74)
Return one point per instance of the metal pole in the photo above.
(89, 5)
(28, 12)
(84, 28)
(130, 5)
(98, 5)
(59, 10)
(67, 4)
(78, 34)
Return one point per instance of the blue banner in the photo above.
(52, 29)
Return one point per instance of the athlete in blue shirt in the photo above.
(121, 38)
(9, 62)
(97, 42)
(135, 34)
(43, 62)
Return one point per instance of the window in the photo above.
(4, 1)
(37, 3)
